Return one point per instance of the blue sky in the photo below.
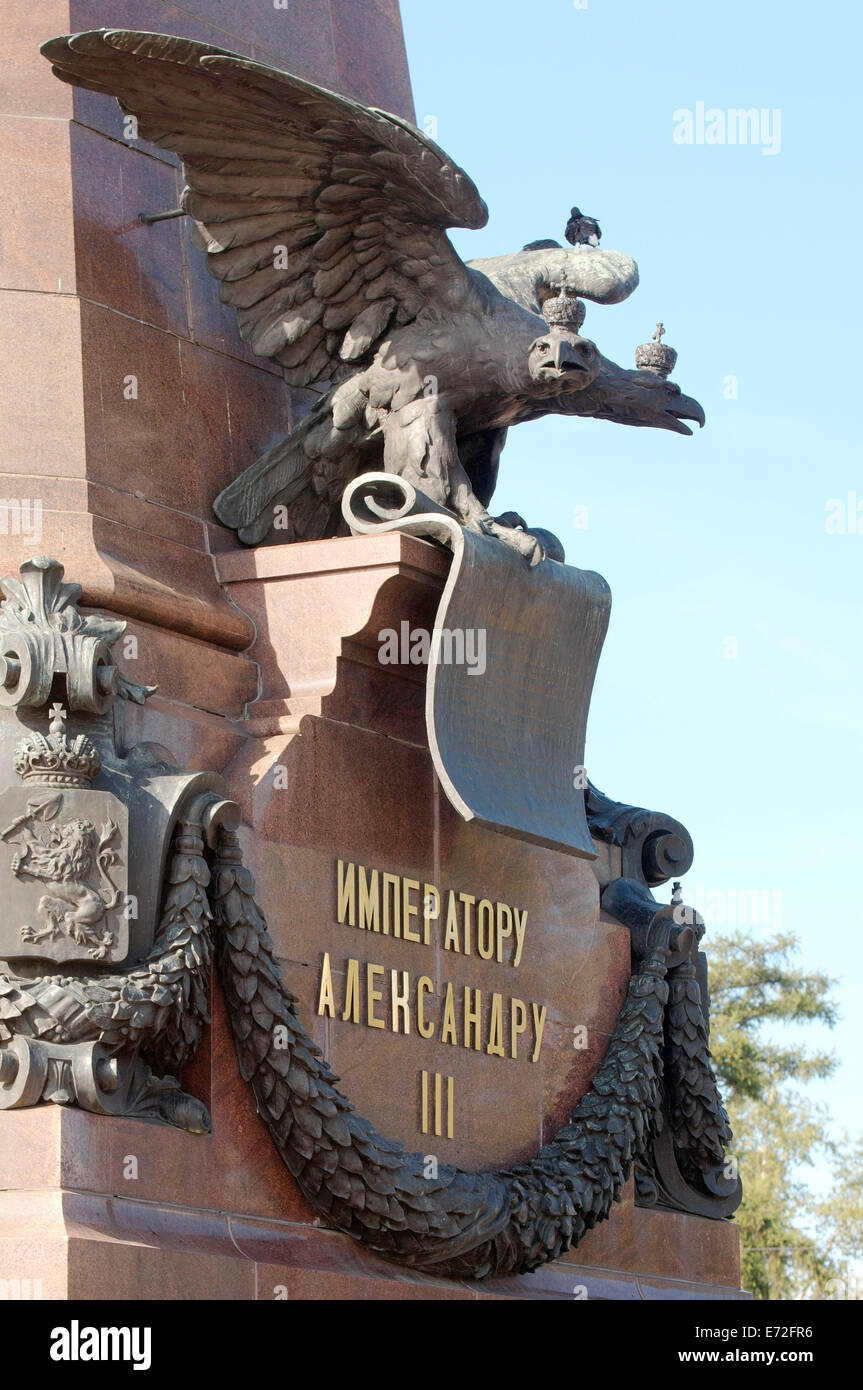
(715, 544)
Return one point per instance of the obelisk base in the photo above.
(105, 1209)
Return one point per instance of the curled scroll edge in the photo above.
(507, 740)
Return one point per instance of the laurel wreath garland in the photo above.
(456, 1223)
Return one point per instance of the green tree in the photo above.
(794, 1242)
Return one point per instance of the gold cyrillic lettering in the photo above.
(370, 907)
(495, 1027)
(520, 929)
(485, 929)
(518, 1023)
(409, 909)
(391, 882)
(352, 993)
(538, 1026)
(400, 1002)
(425, 1097)
(431, 910)
(346, 898)
(326, 1001)
(448, 1030)
(373, 996)
(504, 915)
(450, 940)
(468, 901)
(424, 986)
(472, 1018)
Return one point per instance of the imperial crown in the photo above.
(656, 356)
(54, 760)
(563, 309)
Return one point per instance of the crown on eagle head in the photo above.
(561, 307)
(656, 356)
(55, 760)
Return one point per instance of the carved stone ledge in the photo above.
(310, 621)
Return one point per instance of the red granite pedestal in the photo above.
(127, 396)
(94, 1207)
(218, 1218)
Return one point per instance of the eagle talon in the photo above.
(516, 536)
(524, 541)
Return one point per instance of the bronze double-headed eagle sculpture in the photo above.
(325, 222)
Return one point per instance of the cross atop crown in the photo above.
(561, 307)
(54, 760)
(656, 356)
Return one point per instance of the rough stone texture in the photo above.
(70, 1218)
(219, 1216)
(325, 603)
(90, 296)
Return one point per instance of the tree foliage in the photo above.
(795, 1241)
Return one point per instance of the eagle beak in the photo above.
(564, 356)
(645, 398)
(682, 408)
(686, 409)
(567, 356)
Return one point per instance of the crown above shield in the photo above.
(55, 760)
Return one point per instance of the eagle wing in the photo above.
(324, 220)
(607, 277)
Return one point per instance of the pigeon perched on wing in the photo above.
(581, 230)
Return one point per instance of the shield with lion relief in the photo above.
(63, 855)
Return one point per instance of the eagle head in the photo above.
(562, 355)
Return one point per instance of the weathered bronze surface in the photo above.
(325, 222)
(507, 742)
(99, 874)
(684, 1166)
